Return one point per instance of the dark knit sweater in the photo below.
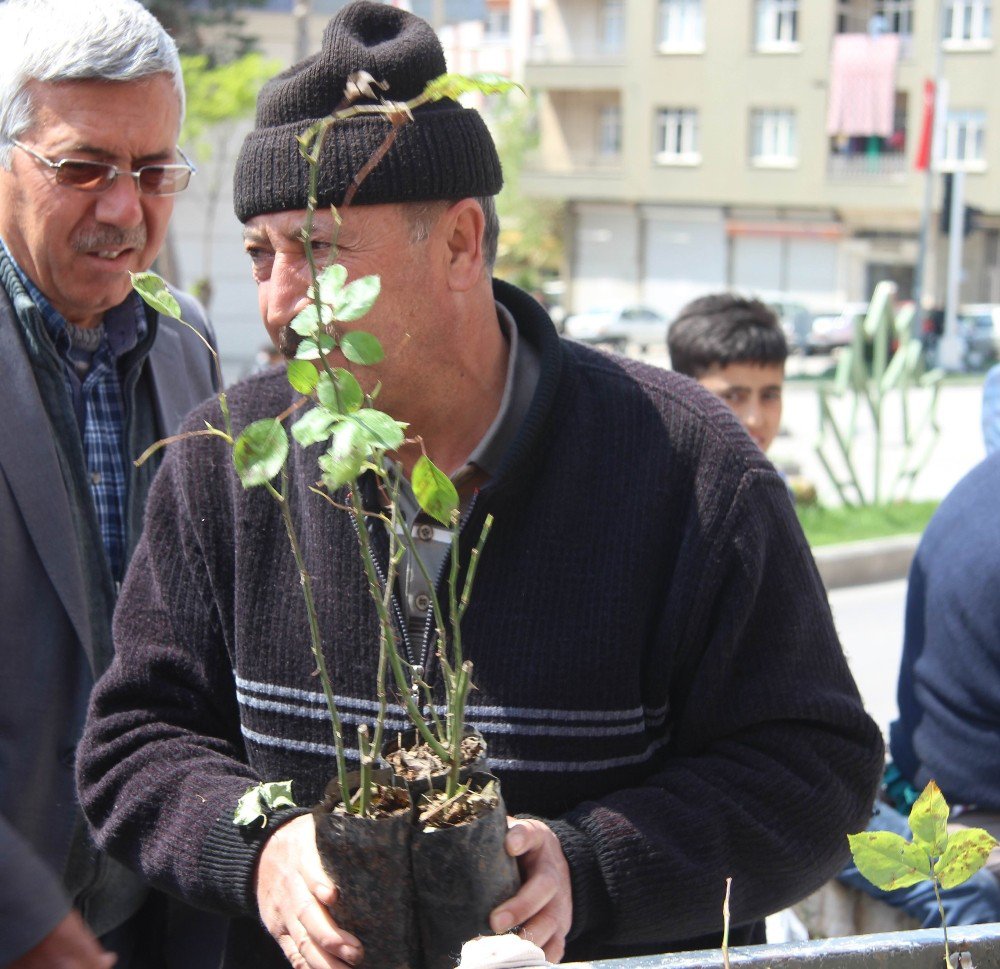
(949, 678)
(656, 667)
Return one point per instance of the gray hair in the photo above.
(75, 40)
(424, 214)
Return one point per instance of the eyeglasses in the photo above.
(92, 176)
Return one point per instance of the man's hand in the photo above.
(70, 945)
(543, 906)
(293, 892)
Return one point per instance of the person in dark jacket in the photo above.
(949, 675)
(656, 668)
(91, 100)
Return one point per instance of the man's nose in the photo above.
(286, 292)
(121, 204)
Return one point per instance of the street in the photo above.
(869, 619)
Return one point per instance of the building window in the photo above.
(885, 16)
(682, 26)
(777, 24)
(538, 25)
(773, 141)
(677, 136)
(609, 137)
(964, 141)
(613, 27)
(898, 16)
(497, 28)
(968, 21)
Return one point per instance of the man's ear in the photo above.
(464, 223)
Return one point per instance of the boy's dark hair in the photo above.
(720, 329)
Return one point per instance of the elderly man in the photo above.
(656, 668)
(91, 99)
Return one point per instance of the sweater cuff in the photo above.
(229, 858)
(591, 904)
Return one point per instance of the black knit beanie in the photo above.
(445, 153)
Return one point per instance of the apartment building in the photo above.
(764, 145)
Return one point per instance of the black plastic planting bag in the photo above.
(369, 862)
(460, 875)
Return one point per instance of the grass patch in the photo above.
(828, 526)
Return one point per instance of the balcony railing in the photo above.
(860, 167)
(582, 162)
(575, 53)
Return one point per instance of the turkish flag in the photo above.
(923, 159)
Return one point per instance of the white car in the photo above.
(637, 325)
(835, 330)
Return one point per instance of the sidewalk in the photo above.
(862, 563)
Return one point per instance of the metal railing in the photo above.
(975, 946)
(861, 166)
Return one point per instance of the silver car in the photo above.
(636, 325)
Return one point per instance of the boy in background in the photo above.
(735, 348)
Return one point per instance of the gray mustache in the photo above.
(108, 237)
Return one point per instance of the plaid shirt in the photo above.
(100, 410)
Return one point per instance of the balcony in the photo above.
(860, 166)
(577, 162)
(578, 173)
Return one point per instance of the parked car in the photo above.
(637, 325)
(829, 331)
(978, 328)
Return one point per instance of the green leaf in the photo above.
(277, 794)
(308, 322)
(260, 452)
(455, 85)
(434, 490)
(966, 853)
(889, 861)
(331, 281)
(347, 454)
(154, 291)
(340, 393)
(361, 347)
(379, 429)
(260, 800)
(302, 375)
(356, 299)
(313, 426)
(309, 349)
(929, 820)
(249, 809)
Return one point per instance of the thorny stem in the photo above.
(153, 448)
(944, 921)
(470, 576)
(387, 639)
(365, 774)
(395, 662)
(462, 676)
(314, 635)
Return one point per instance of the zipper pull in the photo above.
(418, 672)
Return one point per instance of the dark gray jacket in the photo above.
(55, 620)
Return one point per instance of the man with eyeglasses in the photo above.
(91, 99)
